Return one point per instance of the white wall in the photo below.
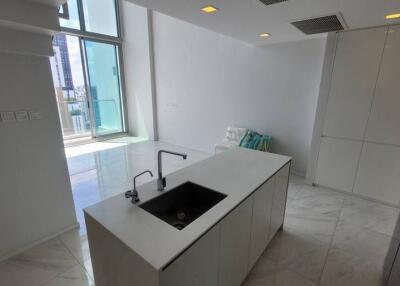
(35, 192)
(138, 63)
(206, 81)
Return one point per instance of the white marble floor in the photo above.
(329, 239)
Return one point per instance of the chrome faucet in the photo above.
(134, 193)
(161, 181)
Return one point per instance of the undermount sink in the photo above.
(182, 205)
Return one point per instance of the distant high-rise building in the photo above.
(62, 54)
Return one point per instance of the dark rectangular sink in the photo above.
(183, 204)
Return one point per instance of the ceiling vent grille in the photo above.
(270, 2)
(320, 25)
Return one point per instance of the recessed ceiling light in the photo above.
(392, 16)
(264, 35)
(209, 9)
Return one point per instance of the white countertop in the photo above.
(236, 173)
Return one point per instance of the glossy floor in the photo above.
(328, 238)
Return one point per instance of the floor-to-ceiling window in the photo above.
(87, 69)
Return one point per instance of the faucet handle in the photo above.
(128, 194)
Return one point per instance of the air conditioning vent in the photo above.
(270, 2)
(320, 25)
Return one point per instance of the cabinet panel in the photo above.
(337, 163)
(234, 246)
(198, 266)
(383, 124)
(379, 173)
(354, 76)
(279, 200)
(260, 233)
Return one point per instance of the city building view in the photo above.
(70, 87)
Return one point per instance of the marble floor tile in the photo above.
(37, 265)
(370, 215)
(267, 272)
(359, 241)
(301, 250)
(77, 244)
(344, 269)
(76, 276)
(315, 203)
(356, 256)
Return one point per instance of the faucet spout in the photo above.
(134, 193)
(161, 181)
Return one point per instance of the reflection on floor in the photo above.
(328, 238)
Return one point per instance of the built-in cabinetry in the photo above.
(359, 149)
(225, 254)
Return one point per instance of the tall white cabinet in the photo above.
(360, 145)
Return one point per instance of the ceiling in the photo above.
(246, 19)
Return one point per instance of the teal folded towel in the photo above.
(255, 141)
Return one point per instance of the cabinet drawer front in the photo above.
(197, 266)
(281, 184)
(279, 200)
(234, 245)
(260, 233)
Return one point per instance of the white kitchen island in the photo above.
(130, 246)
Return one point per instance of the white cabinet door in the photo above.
(337, 163)
(379, 173)
(234, 246)
(355, 71)
(279, 200)
(197, 266)
(383, 124)
(262, 204)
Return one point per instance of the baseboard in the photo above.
(37, 242)
(351, 194)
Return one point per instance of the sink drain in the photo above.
(179, 225)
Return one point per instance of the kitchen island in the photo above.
(131, 246)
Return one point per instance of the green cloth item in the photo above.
(255, 141)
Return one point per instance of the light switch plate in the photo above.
(7, 116)
(35, 115)
(21, 115)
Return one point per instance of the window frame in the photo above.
(65, 12)
(82, 34)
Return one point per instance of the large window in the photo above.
(87, 70)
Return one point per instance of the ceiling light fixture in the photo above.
(209, 9)
(264, 35)
(392, 16)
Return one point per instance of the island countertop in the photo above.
(236, 173)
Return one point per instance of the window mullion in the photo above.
(81, 16)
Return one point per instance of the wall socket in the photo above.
(7, 116)
(35, 115)
(20, 116)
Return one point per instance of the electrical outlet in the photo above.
(7, 116)
(21, 115)
(35, 115)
